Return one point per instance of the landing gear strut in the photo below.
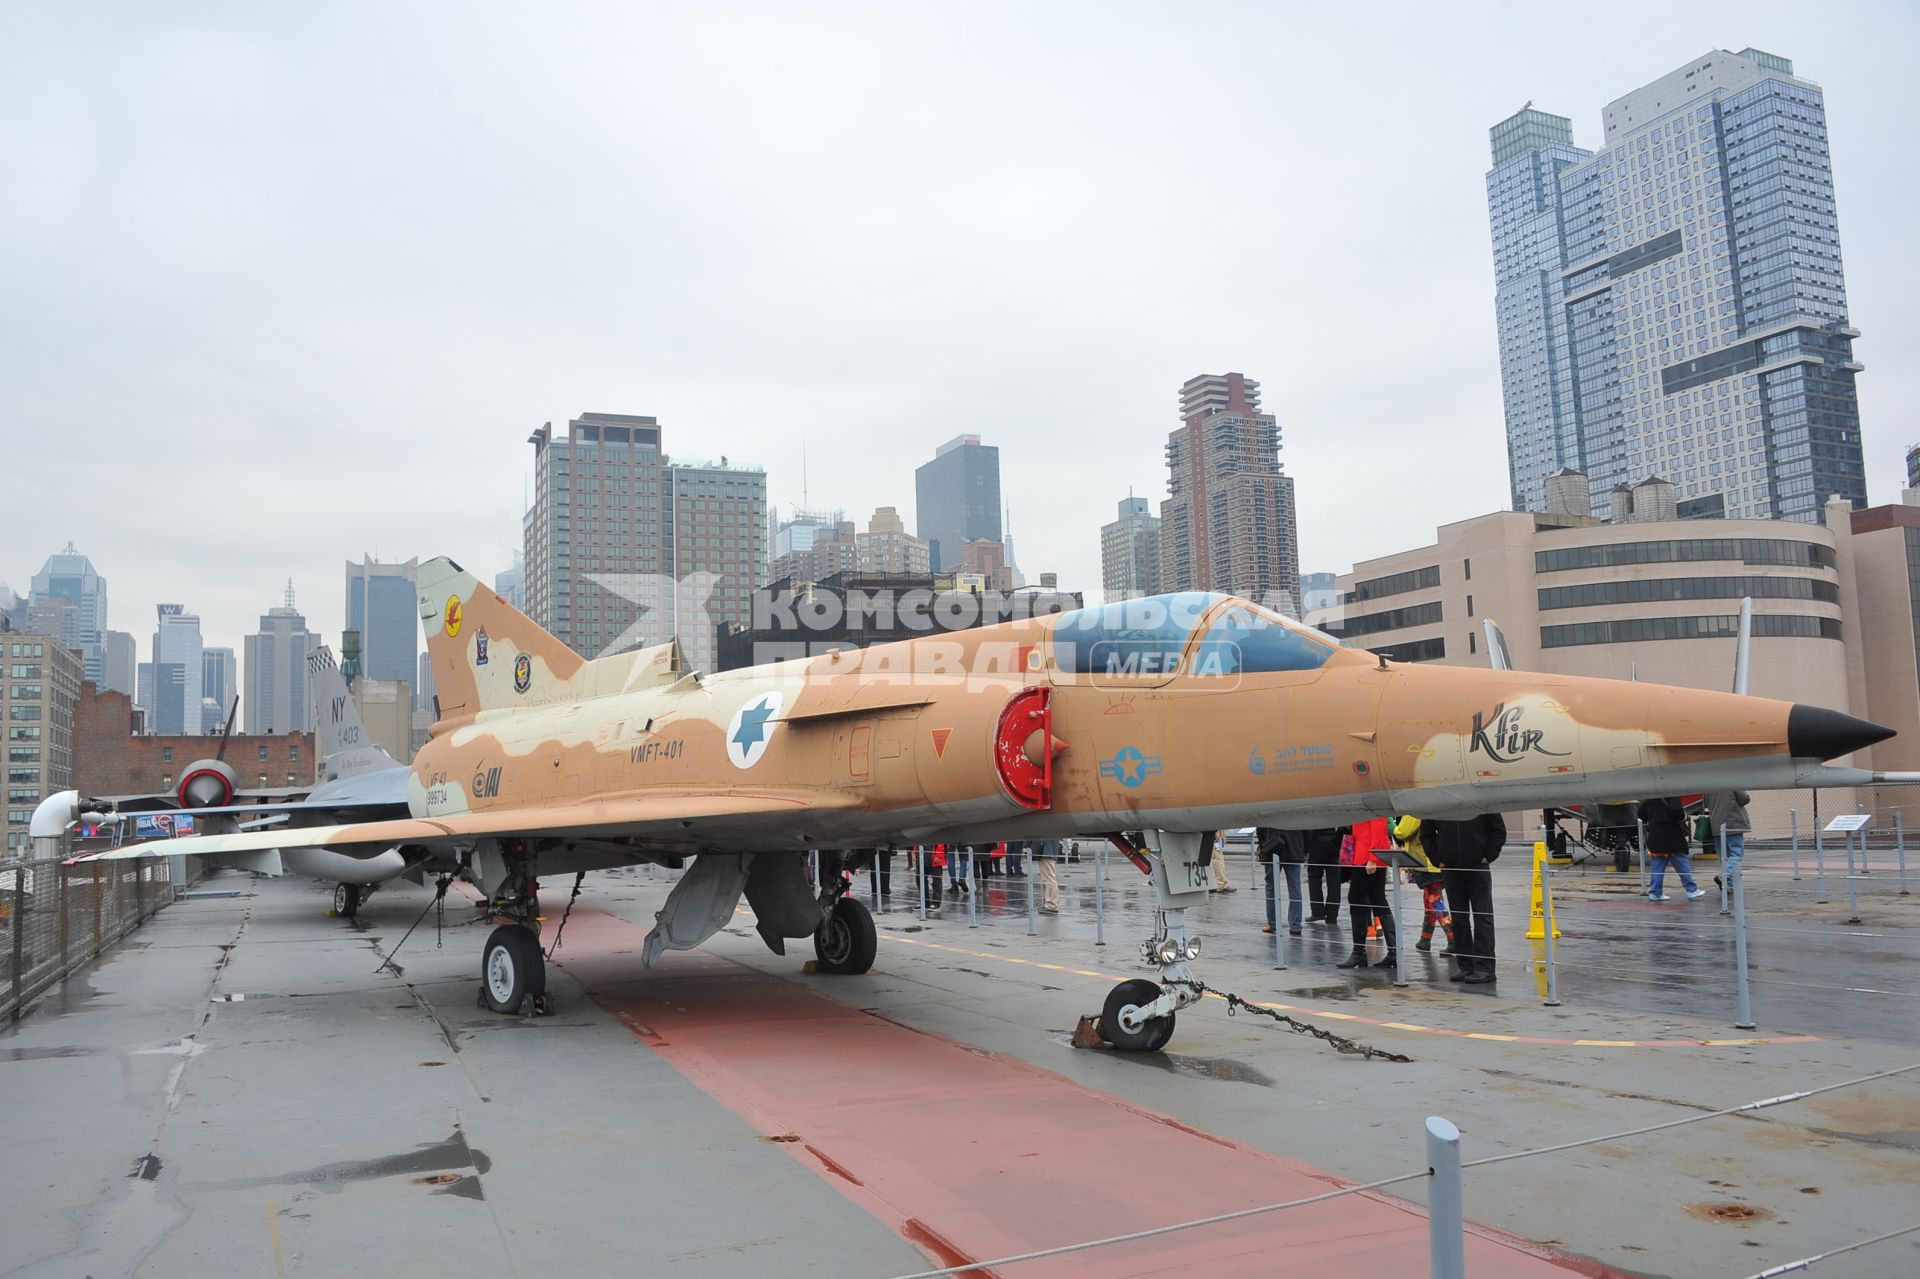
(846, 942)
(1139, 1014)
(513, 972)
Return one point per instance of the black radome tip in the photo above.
(1814, 732)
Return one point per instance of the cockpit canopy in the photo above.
(1198, 633)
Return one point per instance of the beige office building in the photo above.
(39, 688)
(1658, 599)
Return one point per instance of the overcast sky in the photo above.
(280, 284)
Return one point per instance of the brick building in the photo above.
(109, 759)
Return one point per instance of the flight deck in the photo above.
(245, 1085)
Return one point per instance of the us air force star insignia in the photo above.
(751, 727)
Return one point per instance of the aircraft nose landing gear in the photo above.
(1139, 1014)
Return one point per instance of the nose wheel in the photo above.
(1128, 1021)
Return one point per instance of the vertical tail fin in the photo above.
(486, 654)
(345, 749)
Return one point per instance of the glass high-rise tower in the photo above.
(1673, 303)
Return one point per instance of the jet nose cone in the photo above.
(1814, 732)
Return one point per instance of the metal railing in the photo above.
(55, 917)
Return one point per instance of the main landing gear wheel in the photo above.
(846, 942)
(512, 970)
(346, 900)
(1148, 1036)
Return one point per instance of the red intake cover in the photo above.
(1028, 781)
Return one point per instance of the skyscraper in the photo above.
(275, 700)
(957, 499)
(178, 667)
(718, 526)
(123, 658)
(1130, 552)
(40, 686)
(383, 607)
(599, 506)
(1673, 304)
(219, 681)
(69, 575)
(511, 583)
(622, 545)
(1228, 521)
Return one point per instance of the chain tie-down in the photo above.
(554, 949)
(1342, 1044)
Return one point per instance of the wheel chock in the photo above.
(1087, 1033)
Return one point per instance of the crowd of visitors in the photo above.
(1450, 861)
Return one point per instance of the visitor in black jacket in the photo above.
(1465, 852)
(1324, 874)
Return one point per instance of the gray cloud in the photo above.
(292, 283)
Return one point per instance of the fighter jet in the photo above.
(357, 780)
(1173, 716)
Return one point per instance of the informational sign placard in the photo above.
(1847, 823)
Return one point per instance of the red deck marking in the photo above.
(973, 1156)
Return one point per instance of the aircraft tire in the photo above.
(846, 942)
(1150, 1037)
(346, 900)
(512, 969)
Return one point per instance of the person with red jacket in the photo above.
(1367, 891)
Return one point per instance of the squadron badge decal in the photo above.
(522, 673)
(480, 647)
(450, 620)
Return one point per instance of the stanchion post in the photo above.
(1740, 945)
(1547, 928)
(1720, 834)
(1900, 846)
(1099, 896)
(973, 889)
(1793, 819)
(922, 867)
(1865, 832)
(1819, 864)
(1399, 929)
(1032, 922)
(1273, 907)
(1446, 1227)
(1853, 885)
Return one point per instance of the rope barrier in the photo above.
(1763, 1104)
(1805, 1262)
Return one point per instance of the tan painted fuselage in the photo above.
(997, 733)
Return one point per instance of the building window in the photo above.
(263, 754)
(1394, 584)
(166, 754)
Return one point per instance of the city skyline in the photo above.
(980, 286)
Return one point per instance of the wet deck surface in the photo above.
(237, 1090)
